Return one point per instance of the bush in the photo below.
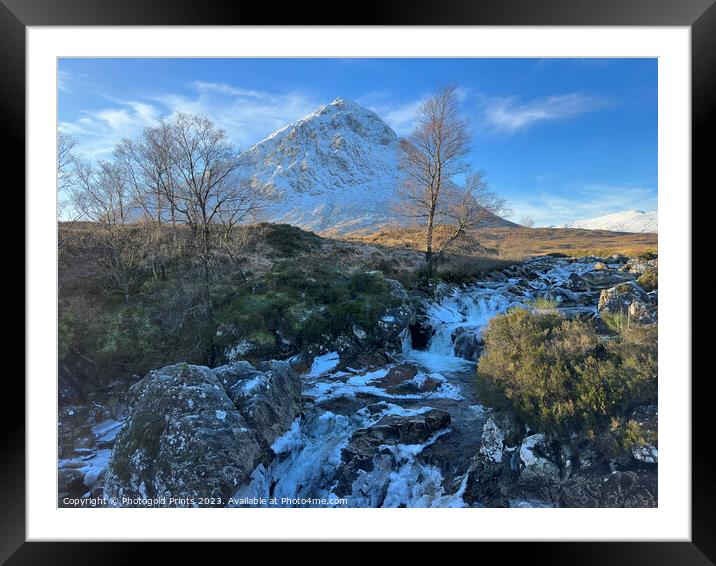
(649, 280)
(558, 376)
(466, 269)
(304, 304)
(543, 304)
(287, 240)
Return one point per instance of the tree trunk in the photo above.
(429, 259)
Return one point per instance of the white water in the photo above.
(470, 309)
(308, 457)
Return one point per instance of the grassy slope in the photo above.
(280, 280)
(538, 241)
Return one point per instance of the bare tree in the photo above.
(207, 191)
(432, 157)
(516, 242)
(103, 195)
(148, 168)
(66, 169)
(65, 160)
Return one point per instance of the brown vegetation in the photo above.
(498, 241)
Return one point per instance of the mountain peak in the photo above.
(340, 102)
(336, 168)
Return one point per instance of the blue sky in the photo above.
(560, 139)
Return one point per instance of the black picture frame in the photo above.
(699, 15)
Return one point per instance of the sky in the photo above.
(560, 139)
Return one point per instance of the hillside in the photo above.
(629, 221)
(506, 241)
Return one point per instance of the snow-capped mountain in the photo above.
(335, 169)
(628, 221)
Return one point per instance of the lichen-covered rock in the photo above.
(186, 438)
(534, 465)
(268, 395)
(493, 441)
(577, 283)
(627, 299)
(639, 266)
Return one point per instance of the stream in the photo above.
(343, 408)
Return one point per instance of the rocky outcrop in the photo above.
(501, 474)
(619, 489)
(373, 453)
(534, 464)
(630, 300)
(194, 432)
(268, 395)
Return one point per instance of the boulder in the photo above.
(577, 283)
(627, 298)
(467, 343)
(191, 433)
(416, 429)
(604, 279)
(493, 441)
(534, 465)
(639, 266)
(369, 448)
(268, 395)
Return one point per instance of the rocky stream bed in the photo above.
(400, 428)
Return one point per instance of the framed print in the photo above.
(388, 279)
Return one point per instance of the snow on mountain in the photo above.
(628, 221)
(335, 169)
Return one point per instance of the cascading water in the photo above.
(342, 405)
(466, 310)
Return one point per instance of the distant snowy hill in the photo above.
(628, 221)
(336, 169)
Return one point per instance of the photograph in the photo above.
(357, 282)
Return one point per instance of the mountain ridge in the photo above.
(636, 221)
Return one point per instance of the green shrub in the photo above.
(466, 269)
(558, 376)
(543, 304)
(305, 305)
(649, 280)
(287, 240)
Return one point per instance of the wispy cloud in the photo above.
(247, 115)
(398, 115)
(99, 131)
(589, 201)
(68, 82)
(509, 115)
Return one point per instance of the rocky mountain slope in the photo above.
(336, 169)
(628, 221)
